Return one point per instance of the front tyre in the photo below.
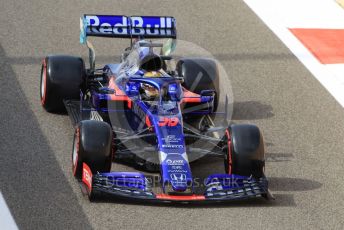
(244, 151)
(92, 145)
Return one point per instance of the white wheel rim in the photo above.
(43, 76)
(75, 152)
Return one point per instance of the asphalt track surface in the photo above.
(301, 122)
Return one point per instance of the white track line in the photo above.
(279, 15)
(6, 219)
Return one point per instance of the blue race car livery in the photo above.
(145, 113)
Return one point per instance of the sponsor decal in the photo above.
(140, 28)
(176, 167)
(178, 177)
(87, 176)
(123, 25)
(174, 162)
(107, 24)
(177, 171)
(171, 139)
(173, 146)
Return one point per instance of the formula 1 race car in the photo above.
(143, 112)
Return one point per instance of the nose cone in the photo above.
(151, 62)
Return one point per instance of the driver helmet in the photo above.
(152, 74)
(149, 90)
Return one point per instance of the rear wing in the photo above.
(120, 26)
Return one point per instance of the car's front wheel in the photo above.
(92, 145)
(244, 150)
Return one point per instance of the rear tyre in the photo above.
(62, 78)
(244, 151)
(200, 74)
(93, 146)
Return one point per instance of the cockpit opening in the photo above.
(151, 62)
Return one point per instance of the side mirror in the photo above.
(207, 93)
(175, 92)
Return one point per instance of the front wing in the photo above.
(135, 186)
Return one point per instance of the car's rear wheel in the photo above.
(200, 74)
(62, 78)
(244, 150)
